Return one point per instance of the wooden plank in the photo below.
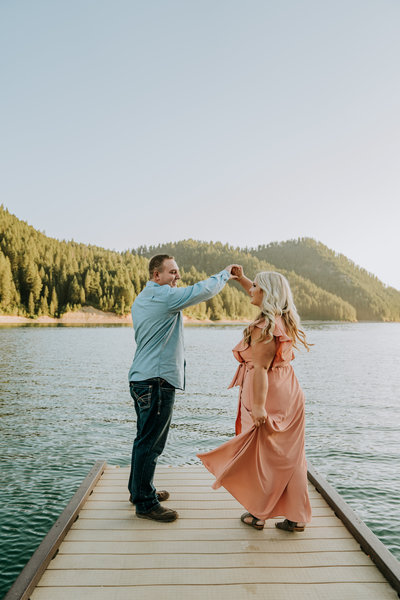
(194, 503)
(159, 476)
(36, 566)
(181, 484)
(207, 561)
(115, 523)
(224, 502)
(189, 546)
(192, 490)
(123, 472)
(384, 560)
(202, 476)
(293, 591)
(174, 534)
(189, 494)
(143, 577)
(189, 513)
(181, 481)
(116, 505)
(120, 485)
(123, 497)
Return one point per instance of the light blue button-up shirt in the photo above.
(158, 325)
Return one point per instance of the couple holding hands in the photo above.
(264, 465)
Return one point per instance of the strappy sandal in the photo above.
(253, 521)
(287, 525)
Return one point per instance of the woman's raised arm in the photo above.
(238, 274)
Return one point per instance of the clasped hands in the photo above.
(236, 271)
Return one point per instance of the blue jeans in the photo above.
(154, 401)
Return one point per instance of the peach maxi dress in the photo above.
(265, 468)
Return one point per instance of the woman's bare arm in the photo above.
(238, 274)
(263, 355)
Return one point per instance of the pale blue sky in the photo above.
(126, 123)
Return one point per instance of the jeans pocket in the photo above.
(141, 394)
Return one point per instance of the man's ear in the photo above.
(156, 276)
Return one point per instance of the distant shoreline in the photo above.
(87, 314)
(92, 316)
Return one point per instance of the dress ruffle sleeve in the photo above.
(284, 353)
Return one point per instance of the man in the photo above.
(157, 370)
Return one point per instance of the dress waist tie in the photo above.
(238, 377)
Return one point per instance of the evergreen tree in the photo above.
(8, 293)
(53, 309)
(31, 305)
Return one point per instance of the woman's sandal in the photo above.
(254, 521)
(287, 525)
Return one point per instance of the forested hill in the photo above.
(43, 276)
(336, 274)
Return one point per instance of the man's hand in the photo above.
(236, 271)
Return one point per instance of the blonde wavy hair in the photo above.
(277, 300)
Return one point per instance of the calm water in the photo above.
(64, 404)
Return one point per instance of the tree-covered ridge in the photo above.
(43, 276)
(334, 272)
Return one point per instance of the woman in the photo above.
(264, 465)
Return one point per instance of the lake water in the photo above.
(65, 403)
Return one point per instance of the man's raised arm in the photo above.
(179, 298)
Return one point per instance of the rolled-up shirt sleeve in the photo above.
(179, 298)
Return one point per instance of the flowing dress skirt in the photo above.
(265, 468)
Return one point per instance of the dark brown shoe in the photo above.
(164, 515)
(162, 495)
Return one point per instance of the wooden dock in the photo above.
(207, 554)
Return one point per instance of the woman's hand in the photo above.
(238, 275)
(237, 272)
(259, 415)
(232, 270)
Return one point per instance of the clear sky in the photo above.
(126, 123)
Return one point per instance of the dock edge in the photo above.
(26, 581)
(388, 565)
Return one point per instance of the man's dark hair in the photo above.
(156, 262)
